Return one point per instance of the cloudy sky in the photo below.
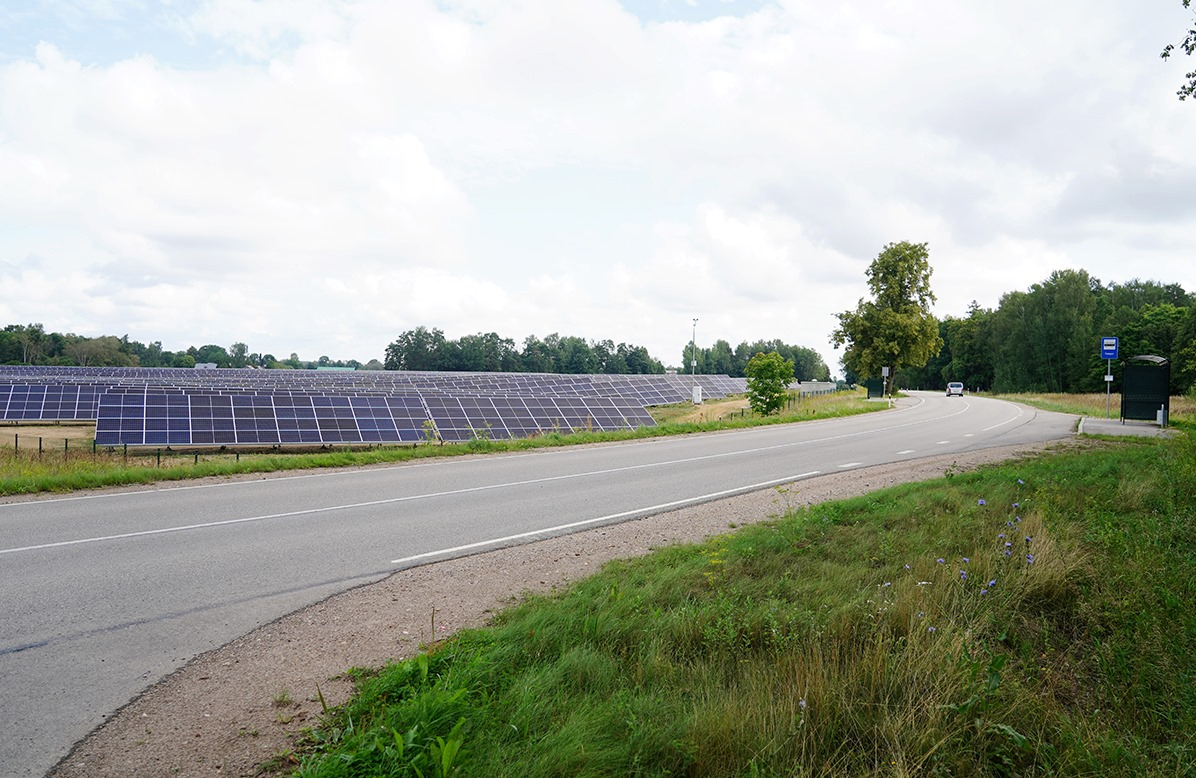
(318, 176)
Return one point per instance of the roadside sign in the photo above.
(1108, 348)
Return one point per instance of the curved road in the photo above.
(106, 594)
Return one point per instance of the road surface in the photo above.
(104, 594)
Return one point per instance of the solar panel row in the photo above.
(153, 418)
(649, 389)
(180, 407)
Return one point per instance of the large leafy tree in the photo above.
(768, 379)
(417, 349)
(895, 329)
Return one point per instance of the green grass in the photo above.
(1183, 407)
(56, 468)
(842, 639)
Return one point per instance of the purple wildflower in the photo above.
(992, 583)
(940, 560)
(931, 629)
(984, 591)
(981, 502)
(1029, 559)
(963, 575)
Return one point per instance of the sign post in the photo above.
(1108, 351)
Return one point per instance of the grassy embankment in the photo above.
(61, 459)
(1031, 619)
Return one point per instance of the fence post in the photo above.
(159, 457)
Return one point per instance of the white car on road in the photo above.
(955, 388)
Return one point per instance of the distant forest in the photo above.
(417, 349)
(1047, 339)
(424, 349)
(30, 344)
(1044, 339)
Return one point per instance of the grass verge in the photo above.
(1029, 619)
(52, 468)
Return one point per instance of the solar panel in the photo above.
(226, 407)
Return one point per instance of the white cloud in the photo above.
(336, 172)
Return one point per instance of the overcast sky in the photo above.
(318, 176)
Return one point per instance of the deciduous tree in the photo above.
(768, 379)
(895, 329)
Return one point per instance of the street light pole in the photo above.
(693, 358)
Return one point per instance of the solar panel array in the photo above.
(181, 407)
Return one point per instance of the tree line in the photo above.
(30, 344)
(1047, 338)
(428, 349)
(721, 359)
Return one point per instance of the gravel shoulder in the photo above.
(232, 709)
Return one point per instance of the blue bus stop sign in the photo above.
(1108, 348)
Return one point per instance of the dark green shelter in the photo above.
(1145, 389)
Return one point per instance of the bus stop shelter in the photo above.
(1145, 389)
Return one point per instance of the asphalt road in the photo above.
(103, 595)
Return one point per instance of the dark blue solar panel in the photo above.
(178, 407)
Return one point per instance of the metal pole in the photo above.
(693, 359)
(1108, 390)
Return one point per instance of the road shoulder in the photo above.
(232, 709)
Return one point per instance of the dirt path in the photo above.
(232, 709)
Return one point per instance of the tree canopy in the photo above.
(895, 329)
(721, 359)
(768, 379)
(1188, 44)
(424, 349)
(1046, 338)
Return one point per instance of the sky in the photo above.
(319, 176)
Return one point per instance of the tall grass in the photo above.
(1031, 619)
(1183, 407)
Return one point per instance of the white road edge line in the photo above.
(609, 517)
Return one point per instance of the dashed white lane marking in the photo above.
(907, 451)
(851, 464)
(573, 525)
